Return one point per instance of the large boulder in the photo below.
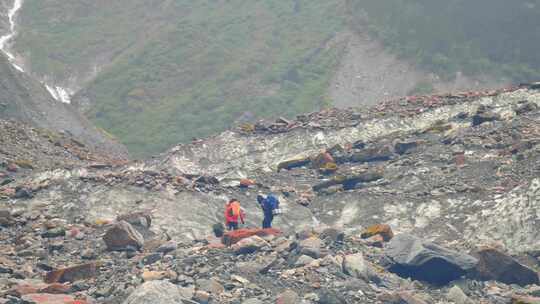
(426, 261)
(495, 265)
(122, 236)
(159, 292)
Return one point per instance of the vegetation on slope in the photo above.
(494, 37)
(171, 70)
(197, 67)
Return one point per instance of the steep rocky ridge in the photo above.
(24, 99)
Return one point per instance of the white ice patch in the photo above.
(59, 93)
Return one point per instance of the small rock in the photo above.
(252, 301)
(303, 260)
(54, 232)
(156, 275)
(201, 297)
(400, 298)
(122, 236)
(288, 297)
(356, 266)
(381, 229)
(456, 295)
(167, 247)
(310, 247)
(72, 274)
(212, 286)
(151, 258)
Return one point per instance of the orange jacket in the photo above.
(233, 211)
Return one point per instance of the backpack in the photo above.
(273, 202)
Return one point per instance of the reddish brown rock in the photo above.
(321, 160)
(122, 236)
(33, 288)
(71, 274)
(234, 237)
(385, 231)
(44, 298)
(246, 183)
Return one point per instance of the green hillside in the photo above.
(171, 70)
(495, 37)
(188, 69)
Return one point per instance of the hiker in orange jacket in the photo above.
(233, 212)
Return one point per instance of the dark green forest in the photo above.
(495, 37)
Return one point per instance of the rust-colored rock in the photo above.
(234, 237)
(246, 183)
(122, 236)
(33, 288)
(72, 274)
(380, 229)
(322, 160)
(44, 298)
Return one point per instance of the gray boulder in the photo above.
(159, 292)
(414, 258)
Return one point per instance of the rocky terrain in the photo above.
(424, 199)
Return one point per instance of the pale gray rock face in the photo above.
(158, 292)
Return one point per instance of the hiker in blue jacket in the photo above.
(269, 205)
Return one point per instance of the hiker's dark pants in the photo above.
(232, 226)
(268, 218)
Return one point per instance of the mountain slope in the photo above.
(154, 73)
(185, 69)
(24, 99)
